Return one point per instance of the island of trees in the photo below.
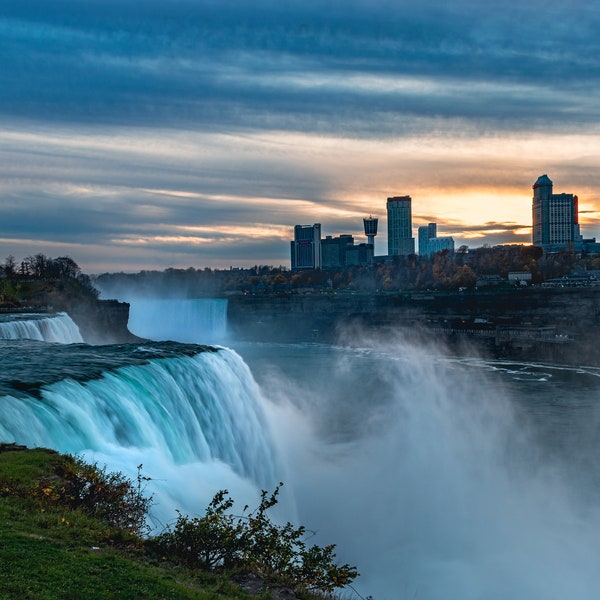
(39, 281)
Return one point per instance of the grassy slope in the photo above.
(54, 552)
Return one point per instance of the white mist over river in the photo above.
(443, 478)
(437, 477)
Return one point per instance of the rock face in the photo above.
(557, 325)
(102, 321)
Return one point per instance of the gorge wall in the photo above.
(559, 325)
(101, 321)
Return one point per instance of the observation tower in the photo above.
(371, 229)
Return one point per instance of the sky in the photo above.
(152, 134)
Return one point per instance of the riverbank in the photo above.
(72, 529)
(554, 325)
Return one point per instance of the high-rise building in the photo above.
(425, 232)
(399, 221)
(555, 217)
(430, 243)
(306, 247)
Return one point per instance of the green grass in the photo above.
(23, 466)
(50, 552)
(63, 536)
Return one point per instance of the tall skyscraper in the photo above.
(399, 221)
(306, 247)
(555, 217)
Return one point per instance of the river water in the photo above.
(439, 477)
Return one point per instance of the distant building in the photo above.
(371, 229)
(490, 281)
(437, 244)
(309, 251)
(399, 221)
(591, 246)
(306, 247)
(359, 255)
(425, 232)
(430, 243)
(555, 218)
(333, 250)
(519, 277)
(339, 252)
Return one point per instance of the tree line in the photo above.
(39, 266)
(443, 271)
(36, 279)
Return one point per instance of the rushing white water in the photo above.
(442, 478)
(187, 418)
(58, 328)
(201, 321)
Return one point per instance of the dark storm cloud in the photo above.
(300, 66)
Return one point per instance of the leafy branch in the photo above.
(252, 542)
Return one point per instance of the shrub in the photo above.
(110, 497)
(254, 543)
(208, 542)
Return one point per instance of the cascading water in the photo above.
(196, 420)
(185, 320)
(58, 328)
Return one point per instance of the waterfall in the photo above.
(197, 420)
(58, 328)
(201, 321)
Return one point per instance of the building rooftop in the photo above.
(542, 180)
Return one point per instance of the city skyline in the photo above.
(191, 134)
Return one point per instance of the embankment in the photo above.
(558, 325)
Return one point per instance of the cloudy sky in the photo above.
(145, 134)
